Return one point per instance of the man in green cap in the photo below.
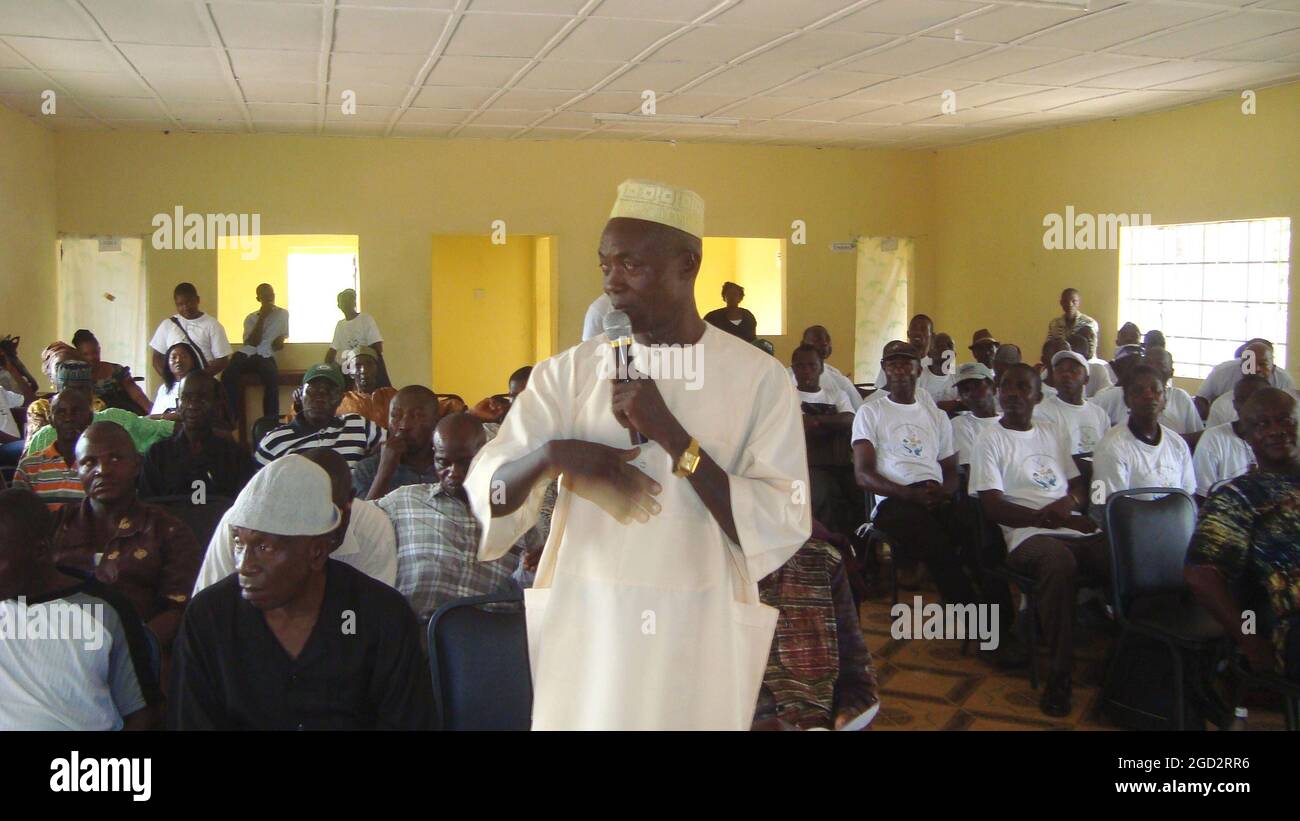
(320, 425)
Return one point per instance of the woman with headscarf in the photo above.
(733, 319)
(112, 382)
(60, 363)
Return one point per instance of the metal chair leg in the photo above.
(1114, 663)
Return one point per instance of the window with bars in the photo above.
(1208, 286)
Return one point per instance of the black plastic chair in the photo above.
(202, 519)
(479, 662)
(261, 427)
(1148, 546)
(877, 538)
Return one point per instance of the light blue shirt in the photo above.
(276, 326)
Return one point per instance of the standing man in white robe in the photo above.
(645, 613)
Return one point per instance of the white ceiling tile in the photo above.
(553, 134)
(405, 4)
(99, 83)
(826, 84)
(373, 95)
(475, 71)
(1217, 34)
(420, 132)
(433, 116)
(694, 105)
(904, 16)
(1078, 69)
(567, 75)
(989, 93)
(1090, 32)
(22, 80)
(364, 113)
(570, 119)
(126, 108)
(745, 79)
(283, 112)
(173, 61)
(268, 25)
(65, 55)
(1236, 79)
(23, 17)
(285, 127)
(452, 97)
(141, 125)
(897, 114)
(268, 64)
(1147, 76)
(392, 31)
(569, 7)
(220, 126)
(504, 116)
(529, 99)
(659, 77)
(378, 68)
(206, 112)
(995, 64)
(968, 115)
(1005, 24)
(603, 38)
(486, 132)
(611, 101)
(192, 88)
(779, 14)
(907, 89)
(1053, 98)
(681, 11)
(761, 108)
(10, 58)
(504, 35)
(150, 21)
(915, 55)
(1127, 101)
(833, 110)
(1285, 5)
(713, 44)
(1276, 47)
(818, 48)
(272, 91)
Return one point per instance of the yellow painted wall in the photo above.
(484, 314)
(1198, 164)
(397, 194)
(717, 266)
(760, 272)
(29, 296)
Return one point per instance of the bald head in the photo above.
(456, 441)
(818, 337)
(417, 396)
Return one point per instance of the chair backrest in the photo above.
(202, 519)
(479, 662)
(261, 428)
(1148, 542)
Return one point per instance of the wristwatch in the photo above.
(689, 460)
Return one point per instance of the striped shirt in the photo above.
(352, 436)
(50, 478)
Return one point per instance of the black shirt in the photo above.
(361, 668)
(746, 329)
(170, 469)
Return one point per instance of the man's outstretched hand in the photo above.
(603, 475)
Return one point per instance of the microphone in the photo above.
(618, 328)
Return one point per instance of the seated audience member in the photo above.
(112, 383)
(250, 656)
(818, 337)
(17, 388)
(939, 376)
(1223, 409)
(1028, 484)
(144, 432)
(1223, 452)
(1245, 554)
(827, 418)
(450, 403)
(1153, 339)
(204, 333)
(491, 410)
(406, 457)
(519, 381)
(903, 453)
(1060, 327)
(264, 333)
(366, 397)
(14, 375)
(1128, 336)
(319, 425)
(975, 387)
(182, 360)
(1006, 356)
(437, 534)
(920, 335)
(1111, 399)
(365, 538)
(60, 363)
(1256, 356)
(983, 346)
(138, 549)
(1084, 342)
(195, 456)
(51, 473)
(732, 318)
(1050, 349)
(1179, 414)
(819, 672)
(1082, 422)
(102, 674)
(1142, 452)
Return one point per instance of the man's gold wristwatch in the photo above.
(689, 460)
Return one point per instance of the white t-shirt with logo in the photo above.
(1220, 455)
(966, 430)
(1122, 462)
(208, 335)
(1032, 468)
(910, 440)
(355, 332)
(1085, 424)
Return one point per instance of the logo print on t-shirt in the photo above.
(1042, 472)
(1087, 439)
(911, 440)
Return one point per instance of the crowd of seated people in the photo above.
(371, 477)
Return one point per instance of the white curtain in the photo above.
(884, 271)
(101, 283)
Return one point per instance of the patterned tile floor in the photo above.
(930, 685)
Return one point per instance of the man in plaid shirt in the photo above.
(437, 534)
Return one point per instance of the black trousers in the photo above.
(932, 537)
(267, 372)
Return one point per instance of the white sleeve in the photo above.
(1205, 464)
(219, 561)
(1109, 469)
(1066, 452)
(864, 425)
(160, 337)
(1212, 387)
(375, 532)
(372, 329)
(218, 343)
(850, 390)
(1189, 472)
(842, 403)
(13, 400)
(946, 447)
(985, 466)
(337, 342)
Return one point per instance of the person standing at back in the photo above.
(356, 330)
(264, 333)
(1072, 318)
(733, 319)
(202, 331)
